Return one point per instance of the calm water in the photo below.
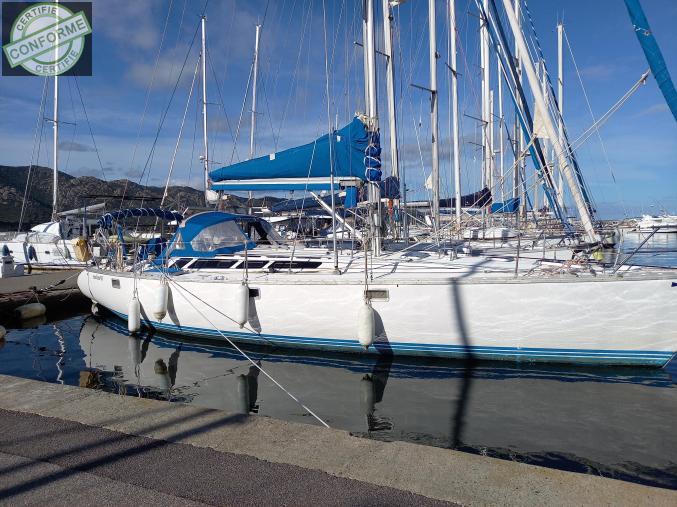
(615, 422)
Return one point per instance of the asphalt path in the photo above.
(43, 459)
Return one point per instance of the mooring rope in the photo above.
(244, 354)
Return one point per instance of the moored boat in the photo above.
(419, 304)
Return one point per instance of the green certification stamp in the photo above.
(47, 39)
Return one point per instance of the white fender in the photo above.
(95, 309)
(365, 325)
(160, 299)
(241, 306)
(134, 316)
(30, 311)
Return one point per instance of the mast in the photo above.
(390, 87)
(572, 182)
(255, 79)
(518, 188)
(653, 53)
(492, 150)
(560, 106)
(205, 154)
(484, 62)
(55, 163)
(392, 112)
(433, 114)
(499, 83)
(372, 114)
(454, 110)
(253, 120)
(55, 179)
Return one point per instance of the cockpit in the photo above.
(216, 233)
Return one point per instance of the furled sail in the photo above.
(312, 160)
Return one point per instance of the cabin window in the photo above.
(252, 264)
(221, 235)
(212, 264)
(261, 232)
(115, 283)
(179, 263)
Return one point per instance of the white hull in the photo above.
(629, 320)
(56, 253)
(662, 230)
(659, 224)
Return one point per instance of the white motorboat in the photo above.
(660, 224)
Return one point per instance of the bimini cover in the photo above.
(207, 234)
(106, 221)
(311, 160)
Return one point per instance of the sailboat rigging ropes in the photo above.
(147, 99)
(242, 352)
(603, 119)
(178, 139)
(89, 126)
(37, 139)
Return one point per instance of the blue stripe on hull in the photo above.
(526, 354)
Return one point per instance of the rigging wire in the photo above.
(164, 114)
(39, 126)
(147, 99)
(595, 127)
(178, 140)
(592, 115)
(75, 127)
(243, 353)
(91, 133)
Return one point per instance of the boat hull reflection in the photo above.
(614, 422)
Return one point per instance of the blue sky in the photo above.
(639, 170)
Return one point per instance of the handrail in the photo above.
(655, 229)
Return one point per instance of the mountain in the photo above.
(76, 192)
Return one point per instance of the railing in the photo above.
(632, 254)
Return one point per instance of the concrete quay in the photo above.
(71, 444)
(52, 287)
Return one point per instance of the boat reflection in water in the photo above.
(616, 422)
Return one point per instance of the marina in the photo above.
(497, 409)
(376, 252)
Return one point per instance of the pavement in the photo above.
(66, 445)
(47, 460)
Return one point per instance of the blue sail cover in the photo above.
(312, 160)
(653, 53)
(106, 221)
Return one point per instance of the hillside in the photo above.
(73, 192)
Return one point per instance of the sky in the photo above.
(140, 118)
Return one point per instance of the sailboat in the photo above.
(230, 277)
(60, 242)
